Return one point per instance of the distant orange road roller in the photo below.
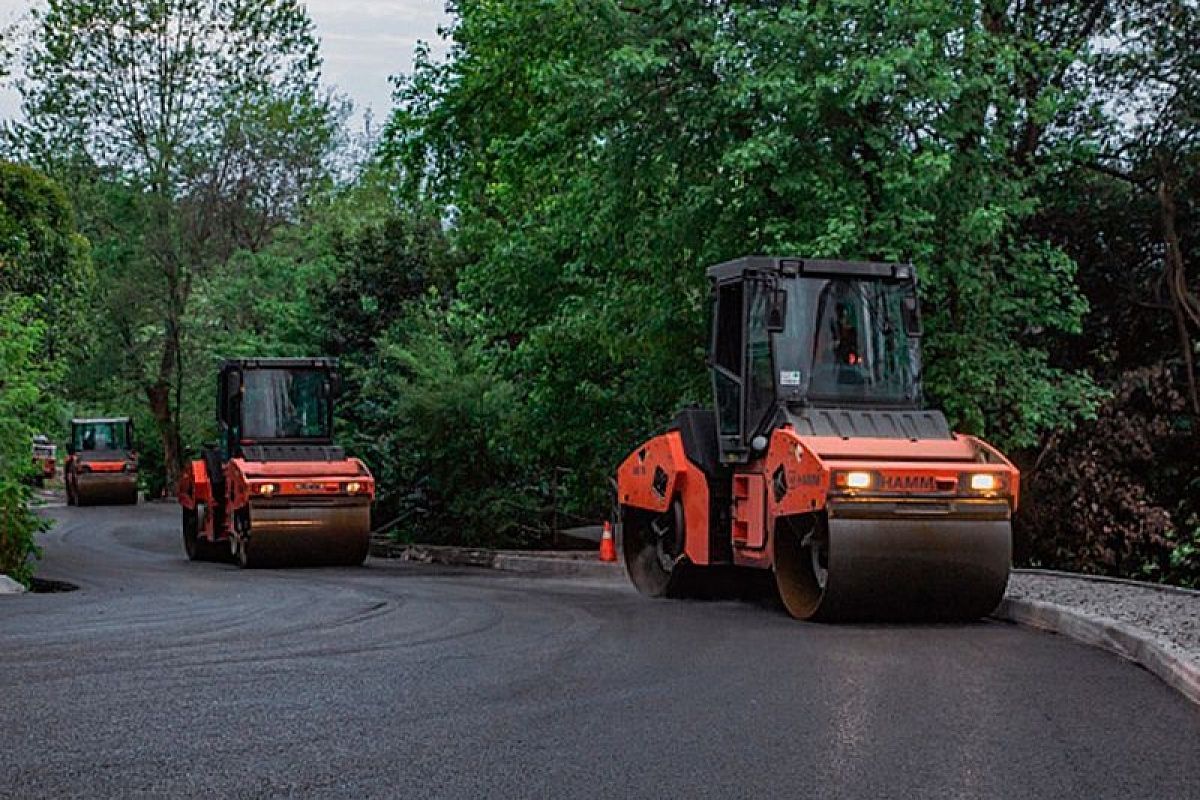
(45, 459)
(275, 490)
(102, 462)
(820, 461)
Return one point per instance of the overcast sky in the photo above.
(363, 42)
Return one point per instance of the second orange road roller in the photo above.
(275, 490)
(102, 462)
(819, 462)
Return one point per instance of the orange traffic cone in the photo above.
(608, 548)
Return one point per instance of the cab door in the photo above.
(727, 361)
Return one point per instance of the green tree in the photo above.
(1127, 213)
(22, 382)
(44, 271)
(596, 156)
(42, 255)
(200, 128)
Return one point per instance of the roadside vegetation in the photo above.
(512, 269)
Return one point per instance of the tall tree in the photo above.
(207, 118)
(1148, 90)
(596, 155)
(44, 271)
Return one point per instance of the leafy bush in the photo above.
(432, 417)
(1118, 494)
(21, 339)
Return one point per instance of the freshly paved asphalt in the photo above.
(162, 678)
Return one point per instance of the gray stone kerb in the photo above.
(9, 586)
(1175, 665)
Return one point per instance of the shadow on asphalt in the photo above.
(47, 586)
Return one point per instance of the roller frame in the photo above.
(312, 530)
(892, 555)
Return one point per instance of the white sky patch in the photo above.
(363, 43)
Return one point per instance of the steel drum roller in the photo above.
(883, 565)
(100, 488)
(308, 533)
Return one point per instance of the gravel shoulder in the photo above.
(1169, 614)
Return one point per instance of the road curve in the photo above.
(163, 678)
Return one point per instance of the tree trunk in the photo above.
(159, 397)
(1176, 281)
(165, 392)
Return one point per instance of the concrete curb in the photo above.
(9, 586)
(1164, 660)
(561, 564)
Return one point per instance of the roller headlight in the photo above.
(984, 482)
(858, 479)
(267, 489)
(353, 487)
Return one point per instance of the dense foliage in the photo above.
(44, 271)
(189, 130)
(513, 278)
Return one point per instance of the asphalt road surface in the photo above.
(162, 678)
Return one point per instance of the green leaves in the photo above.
(595, 168)
(188, 130)
(25, 376)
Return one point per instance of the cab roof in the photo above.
(738, 267)
(91, 420)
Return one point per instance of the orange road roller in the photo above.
(102, 464)
(276, 490)
(45, 459)
(820, 462)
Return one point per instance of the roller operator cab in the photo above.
(102, 462)
(275, 490)
(819, 461)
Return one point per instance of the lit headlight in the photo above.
(267, 489)
(858, 480)
(854, 480)
(353, 487)
(983, 482)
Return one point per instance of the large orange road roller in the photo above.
(102, 464)
(820, 462)
(275, 490)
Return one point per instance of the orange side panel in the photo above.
(657, 472)
(648, 477)
(1014, 474)
(797, 479)
(749, 511)
(694, 489)
(194, 486)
